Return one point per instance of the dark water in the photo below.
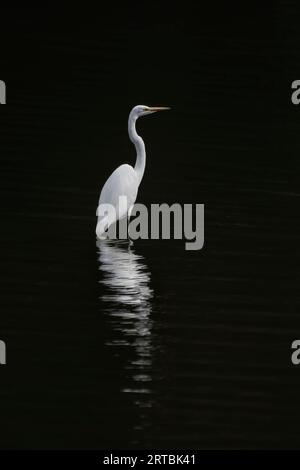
(150, 345)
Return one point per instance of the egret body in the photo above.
(125, 180)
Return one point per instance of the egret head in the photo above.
(142, 110)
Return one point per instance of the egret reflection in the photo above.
(126, 297)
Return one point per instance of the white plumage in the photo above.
(125, 180)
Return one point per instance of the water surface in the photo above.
(148, 345)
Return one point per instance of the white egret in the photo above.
(125, 180)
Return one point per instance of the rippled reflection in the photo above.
(127, 300)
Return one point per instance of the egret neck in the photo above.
(139, 146)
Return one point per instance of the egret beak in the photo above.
(158, 108)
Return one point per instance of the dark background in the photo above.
(204, 359)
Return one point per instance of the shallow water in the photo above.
(147, 344)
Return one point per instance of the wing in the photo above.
(122, 182)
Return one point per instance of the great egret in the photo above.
(125, 180)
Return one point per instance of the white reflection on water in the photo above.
(127, 300)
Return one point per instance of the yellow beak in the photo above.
(159, 108)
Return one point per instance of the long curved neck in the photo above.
(139, 146)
